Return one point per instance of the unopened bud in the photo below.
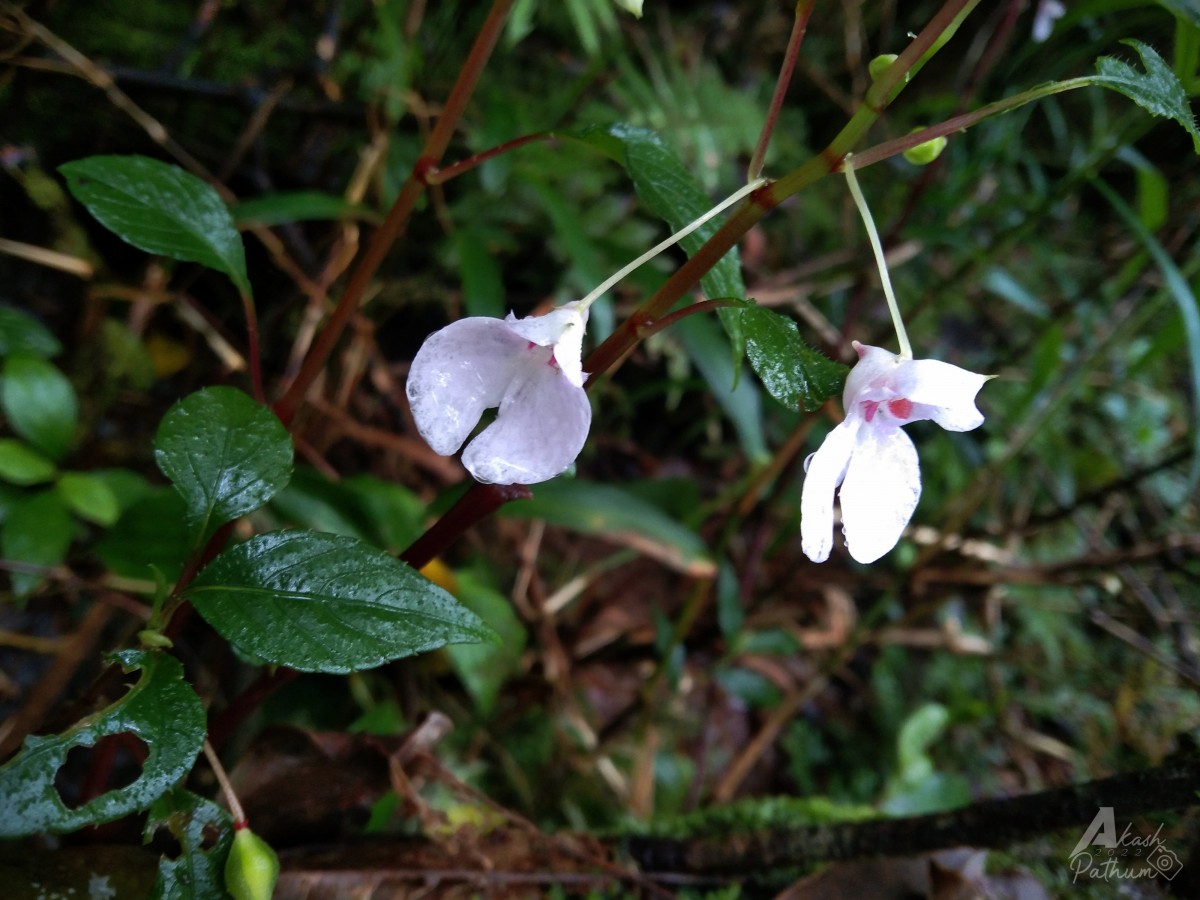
(924, 154)
(880, 64)
(252, 867)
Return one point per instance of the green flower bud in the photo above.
(252, 867)
(154, 639)
(879, 64)
(924, 154)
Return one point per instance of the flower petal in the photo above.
(540, 429)
(826, 468)
(562, 329)
(880, 491)
(459, 372)
(947, 393)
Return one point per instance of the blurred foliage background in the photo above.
(667, 647)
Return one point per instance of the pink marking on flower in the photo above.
(901, 408)
(870, 407)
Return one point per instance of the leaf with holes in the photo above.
(226, 455)
(327, 603)
(791, 371)
(204, 832)
(161, 710)
(1157, 90)
(161, 209)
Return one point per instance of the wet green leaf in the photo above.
(151, 532)
(161, 710)
(225, 454)
(39, 403)
(484, 668)
(161, 209)
(326, 603)
(791, 371)
(204, 832)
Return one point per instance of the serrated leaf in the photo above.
(21, 464)
(22, 333)
(620, 516)
(89, 497)
(1157, 90)
(161, 209)
(791, 371)
(37, 531)
(326, 603)
(671, 192)
(161, 710)
(40, 403)
(204, 832)
(226, 455)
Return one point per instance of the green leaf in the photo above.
(161, 710)
(326, 603)
(791, 371)
(298, 206)
(225, 454)
(484, 668)
(161, 209)
(152, 532)
(22, 333)
(740, 398)
(21, 464)
(620, 516)
(669, 191)
(482, 283)
(204, 832)
(1157, 90)
(40, 403)
(89, 497)
(38, 532)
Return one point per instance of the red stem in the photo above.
(397, 219)
(255, 356)
(441, 176)
(804, 9)
(479, 502)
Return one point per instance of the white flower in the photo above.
(530, 368)
(872, 459)
(1048, 12)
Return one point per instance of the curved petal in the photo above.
(459, 372)
(946, 392)
(540, 429)
(880, 492)
(562, 329)
(825, 471)
(872, 376)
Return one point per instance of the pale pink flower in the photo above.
(871, 457)
(530, 368)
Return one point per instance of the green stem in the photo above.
(397, 219)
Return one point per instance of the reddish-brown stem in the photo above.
(253, 352)
(397, 219)
(804, 9)
(670, 319)
(435, 175)
(479, 502)
(222, 726)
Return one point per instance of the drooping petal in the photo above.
(563, 329)
(880, 491)
(826, 468)
(459, 372)
(541, 427)
(942, 392)
(871, 377)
